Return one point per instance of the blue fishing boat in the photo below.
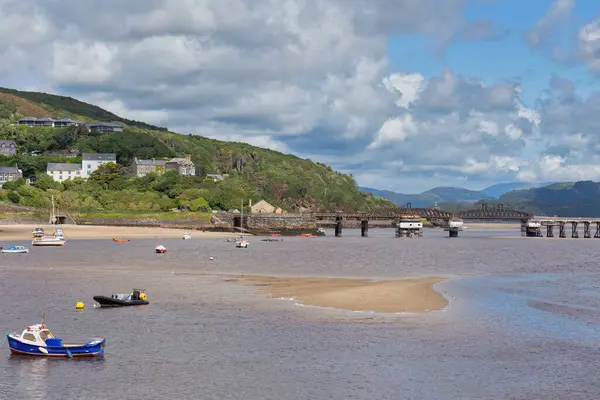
(37, 340)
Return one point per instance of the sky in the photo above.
(405, 95)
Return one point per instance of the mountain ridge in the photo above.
(451, 194)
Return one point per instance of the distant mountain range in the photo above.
(451, 194)
(568, 199)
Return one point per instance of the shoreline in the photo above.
(75, 232)
(408, 295)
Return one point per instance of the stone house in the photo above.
(8, 174)
(184, 166)
(262, 207)
(8, 148)
(141, 168)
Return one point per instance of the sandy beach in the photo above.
(392, 296)
(23, 232)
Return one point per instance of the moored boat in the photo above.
(137, 297)
(37, 340)
(186, 236)
(117, 240)
(48, 241)
(160, 249)
(38, 233)
(242, 244)
(14, 249)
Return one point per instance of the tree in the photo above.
(106, 173)
(44, 181)
(14, 197)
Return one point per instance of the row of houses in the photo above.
(184, 166)
(139, 168)
(47, 122)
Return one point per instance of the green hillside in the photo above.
(63, 106)
(283, 180)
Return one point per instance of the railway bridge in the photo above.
(408, 221)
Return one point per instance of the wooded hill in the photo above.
(284, 180)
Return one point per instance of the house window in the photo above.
(89, 166)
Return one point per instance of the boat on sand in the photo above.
(37, 340)
(137, 297)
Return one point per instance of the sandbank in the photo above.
(492, 225)
(23, 232)
(390, 296)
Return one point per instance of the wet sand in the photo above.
(23, 232)
(391, 296)
(492, 225)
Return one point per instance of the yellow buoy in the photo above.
(143, 296)
(79, 305)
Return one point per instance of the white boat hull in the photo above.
(48, 242)
(14, 251)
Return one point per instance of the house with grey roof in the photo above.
(44, 122)
(64, 122)
(184, 166)
(104, 127)
(91, 161)
(64, 171)
(8, 148)
(141, 168)
(8, 174)
(48, 122)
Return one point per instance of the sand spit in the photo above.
(390, 296)
(23, 232)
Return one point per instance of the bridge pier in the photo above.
(561, 230)
(409, 226)
(453, 226)
(550, 231)
(586, 230)
(574, 231)
(338, 226)
(597, 234)
(531, 228)
(364, 228)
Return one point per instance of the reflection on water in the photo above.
(522, 323)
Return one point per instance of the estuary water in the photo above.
(522, 323)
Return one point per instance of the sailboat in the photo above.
(58, 239)
(241, 243)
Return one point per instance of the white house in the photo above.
(63, 171)
(91, 161)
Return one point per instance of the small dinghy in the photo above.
(186, 236)
(37, 340)
(242, 244)
(160, 249)
(14, 249)
(137, 297)
(117, 240)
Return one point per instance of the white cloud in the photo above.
(305, 76)
(543, 29)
